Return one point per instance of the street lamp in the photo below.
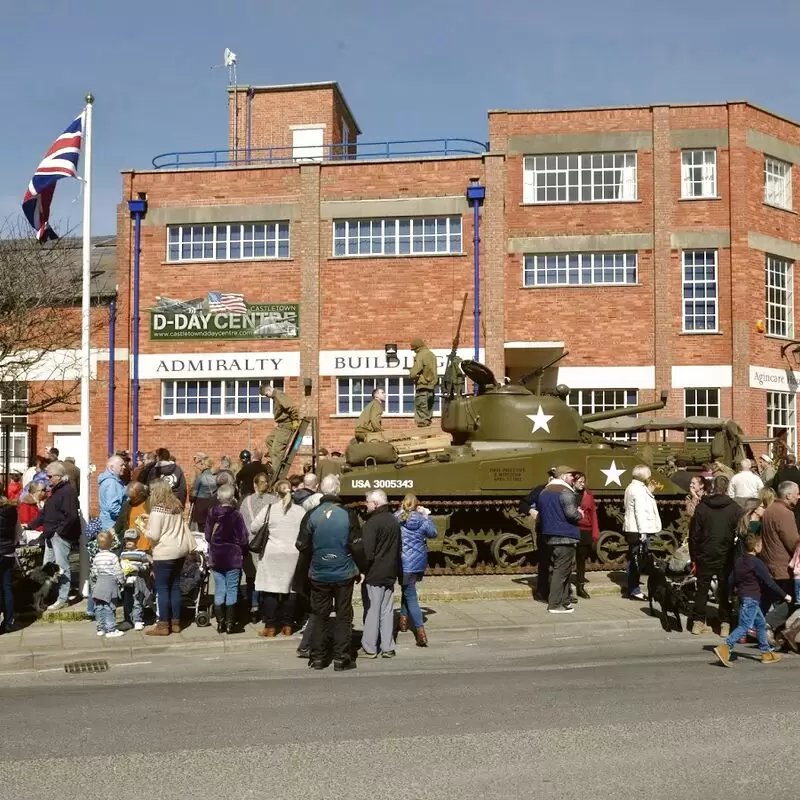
(476, 194)
(391, 355)
(795, 352)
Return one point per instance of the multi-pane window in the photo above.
(212, 398)
(590, 401)
(352, 394)
(779, 297)
(236, 242)
(777, 182)
(579, 178)
(701, 403)
(400, 236)
(699, 290)
(14, 421)
(781, 407)
(579, 269)
(698, 173)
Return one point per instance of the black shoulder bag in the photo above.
(258, 544)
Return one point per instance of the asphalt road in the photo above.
(633, 717)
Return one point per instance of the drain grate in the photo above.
(76, 667)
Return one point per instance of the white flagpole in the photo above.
(86, 455)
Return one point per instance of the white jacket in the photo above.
(641, 512)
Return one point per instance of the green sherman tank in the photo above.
(504, 439)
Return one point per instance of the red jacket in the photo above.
(589, 520)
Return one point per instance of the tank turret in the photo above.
(513, 415)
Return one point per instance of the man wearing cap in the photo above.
(767, 467)
(287, 420)
(423, 374)
(559, 513)
(14, 488)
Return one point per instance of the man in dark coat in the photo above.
(788, 473)
(383, 569)
(711, 536)
(327, 537)
(60, 521)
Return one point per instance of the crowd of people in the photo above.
(292, 549)
(743, 540)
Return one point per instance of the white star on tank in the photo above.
(540, 420)
(613, 474)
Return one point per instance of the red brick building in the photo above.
(646, 241)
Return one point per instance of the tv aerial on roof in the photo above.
(229, 59)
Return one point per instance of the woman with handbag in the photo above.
(279, 524)
(172, 542)
(642, 521)
(252, 505)
(226, 535)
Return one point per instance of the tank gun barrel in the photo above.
(624, 412)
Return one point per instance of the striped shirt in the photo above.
(106, 564)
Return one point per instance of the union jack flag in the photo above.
(60, 161)
(226, 303)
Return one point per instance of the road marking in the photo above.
(133, 664)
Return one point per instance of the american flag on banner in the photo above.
(226, 303)
(60, 161)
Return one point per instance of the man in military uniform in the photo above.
(423, 373)
(371, 419)
(287, 420)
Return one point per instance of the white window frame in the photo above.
(777, 183)
(228, 242)
(779, 312)
(698, 174)
(701, 285)
(709, 403)
(14, 398)
(573, 269)
(398, 236)
(229, 388)
(590, 401)
(356, 391)
(564, 178)
(782, 413)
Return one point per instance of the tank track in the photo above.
(488, 536)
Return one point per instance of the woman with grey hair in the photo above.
(251, 507)
(642, 520)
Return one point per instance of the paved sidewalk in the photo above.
(41, 646)
(441, 589)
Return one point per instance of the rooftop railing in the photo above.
(412, 148)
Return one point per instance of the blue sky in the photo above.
(416, 69)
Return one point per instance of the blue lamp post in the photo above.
(476, 194)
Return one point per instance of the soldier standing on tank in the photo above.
(423, 373)
(287, 420)
(371, 419)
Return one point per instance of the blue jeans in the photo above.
(57, 550)
(168, 588)
(6, 571)
(797, 591)
(750, 616)
(409, 605)
(106, 617)
(226, 587)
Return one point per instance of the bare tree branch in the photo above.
(40, 321)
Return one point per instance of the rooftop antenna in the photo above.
(229, 60)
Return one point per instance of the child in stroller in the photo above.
(194, 587)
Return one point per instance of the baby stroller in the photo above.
(194, 587)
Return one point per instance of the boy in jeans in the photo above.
(750, 576)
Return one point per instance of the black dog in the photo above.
(669, 596)
(39, 587)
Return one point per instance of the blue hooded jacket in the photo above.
(413, 545)
(111, 497)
